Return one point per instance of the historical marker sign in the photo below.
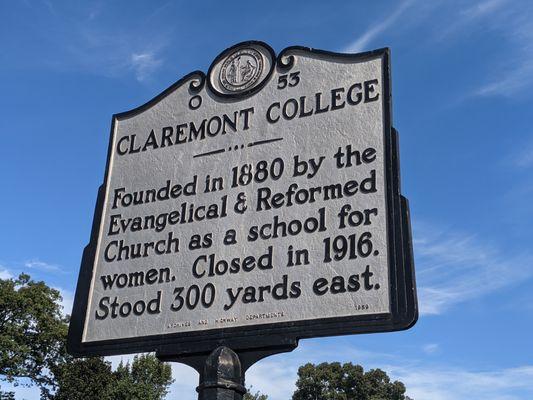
(256, 202)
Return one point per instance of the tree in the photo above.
(146, 379)
(333, 381)
(257, 396)
(93, 379)
(83, 379)
(33, 335)
(32, 331)
(7, 396)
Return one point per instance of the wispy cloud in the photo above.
(429, 383)
(483, 8)
(448, 24)
(459, 21)
(523, 158)
(508, 22)
(41, 265)
(453, 268)
(516, 78)
(94, 10)
(81, 38)
(513, 73)
(362, 42)
(431, 348)
(112, 54)
(283, 368)
(144, 64)
(283, 373)
(276, 376)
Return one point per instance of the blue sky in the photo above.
(462, 101)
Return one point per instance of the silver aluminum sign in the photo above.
(258, 200)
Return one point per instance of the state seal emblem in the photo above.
(241, 70)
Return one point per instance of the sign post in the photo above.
(245, 209)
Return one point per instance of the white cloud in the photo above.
(276, 376)
(523, 158)
(4, 273)
(431, 348)
(517, 77)
(483, 8)
(459, 384)
(453, 268)
(144, 64)
(41, 265)
(66, 295)
(514, 72)
(460, 20)
(84, 42)
(511, 73)
(376, 29)
(108, 51)
(262, 376)
(526, 158)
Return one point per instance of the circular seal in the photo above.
(241, 70)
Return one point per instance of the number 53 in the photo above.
(292, 80)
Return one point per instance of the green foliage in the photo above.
(84, 379)
(146, 379)
(32, 331)
(257, 396)
(33, 347)
(33, 336)
(93, 379)
(333, 381)
(7, 395)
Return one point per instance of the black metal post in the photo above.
(223, 378)
(222, 372)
